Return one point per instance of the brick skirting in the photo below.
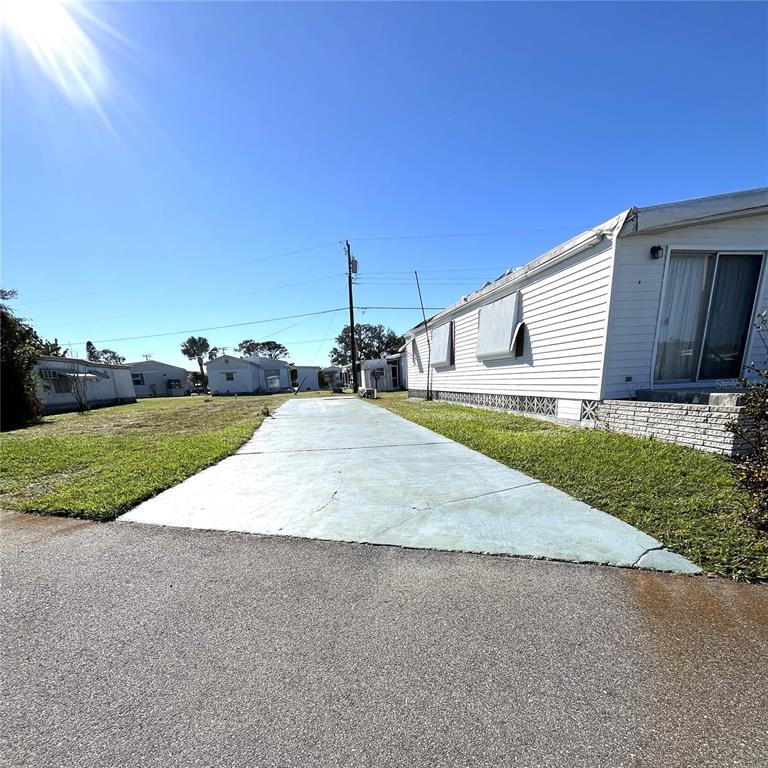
(699, 426)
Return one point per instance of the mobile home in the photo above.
(654, 304)
(232, 375)
(155, 379)
(62, 382)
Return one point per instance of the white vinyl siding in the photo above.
(565, 310)
(637, 290)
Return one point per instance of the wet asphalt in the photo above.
(126, 645)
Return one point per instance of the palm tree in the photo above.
(198, 348)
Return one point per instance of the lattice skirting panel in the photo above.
(546, 406)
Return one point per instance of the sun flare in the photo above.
(50, 32)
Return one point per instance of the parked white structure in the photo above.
(155, 379)
(388, 374)
(232, 375)
(305, 378)
(659, 298)
(60, 380)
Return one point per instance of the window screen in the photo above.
(442, 345)
(137, 378)
(273, 378)
(496, 325)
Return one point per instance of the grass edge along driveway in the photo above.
(685, 498)
(99, 464)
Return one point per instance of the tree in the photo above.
(270, 349)
(19, 353)
(373, 342)
(198, 348)
(52, 349)
(108, 356)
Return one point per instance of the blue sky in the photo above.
(228, 133)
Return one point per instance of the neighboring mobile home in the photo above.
(656, 303)
(154, 379)
(389, 374)
(305, 378)
(232, 375)
(62, 380)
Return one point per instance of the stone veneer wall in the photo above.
(699, 426)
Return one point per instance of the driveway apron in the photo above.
(338, 468)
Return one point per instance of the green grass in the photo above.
(99, 464)
(686, 499)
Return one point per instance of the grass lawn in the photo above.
(686, 499)
(99, 464)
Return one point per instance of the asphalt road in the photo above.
(127, 645)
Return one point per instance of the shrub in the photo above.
(19, 352)
(751, 467)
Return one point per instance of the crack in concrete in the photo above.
(430, 508)
(328, 501)
(351, 448)
(647, 552)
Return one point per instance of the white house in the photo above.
(388, 374)
(305, 378)
(654, 301)
(60, 379)
(232, 375)
(154, 379)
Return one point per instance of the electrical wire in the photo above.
(239, 325)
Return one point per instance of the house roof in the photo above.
(229, 359)
(67, 360)
(630, 222)
(152, 364)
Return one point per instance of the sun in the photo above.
(49, 30)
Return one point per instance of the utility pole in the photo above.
(352, 270)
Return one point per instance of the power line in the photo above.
(239, 325)
(464, 234)
(288, 253)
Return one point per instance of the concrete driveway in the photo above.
(342, 469)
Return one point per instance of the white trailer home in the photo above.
(155, 379)
(654, 304)
(62, 380)
(389, 374)
(305, 378)
(231, 375)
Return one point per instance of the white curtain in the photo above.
(685, 301)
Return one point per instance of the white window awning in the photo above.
(498, 326)
(442, 345)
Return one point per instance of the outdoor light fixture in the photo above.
(657, 251)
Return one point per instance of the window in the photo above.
(273, 378)
(498, 328)
(518, 340)
(174, 384)
(442, 345)
(62, 385)
(48, 373)
(395, 373)
(229, 376)
(138, 379)
(705, 318)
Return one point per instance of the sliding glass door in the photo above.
(708, 302)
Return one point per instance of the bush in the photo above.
(19, 353)
(751, 467)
